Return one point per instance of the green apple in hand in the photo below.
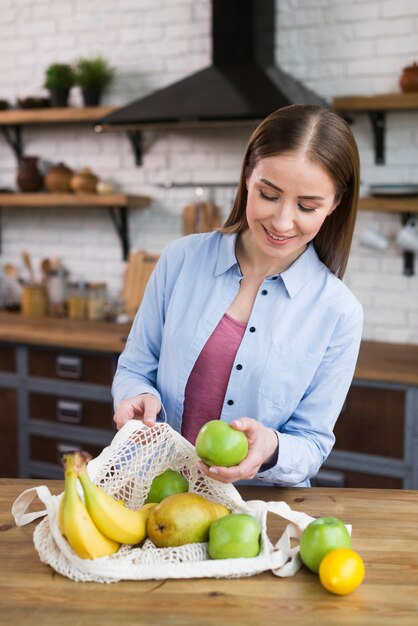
(167, 484)
(219, 444)
(320, 537)
(235, 536)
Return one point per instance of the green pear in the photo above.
(167, 484)
(236, 536)
(183, 518)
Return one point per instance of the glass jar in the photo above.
(56, 292)
(96, 302)
(77, 300)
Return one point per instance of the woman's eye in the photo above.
(266, 197)
(306, 209)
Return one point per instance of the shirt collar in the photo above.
(300, 272)
(226, 253)
(294, 278)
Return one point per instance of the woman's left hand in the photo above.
(263, 443)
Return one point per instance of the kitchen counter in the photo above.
(384, 362)
(385, 534)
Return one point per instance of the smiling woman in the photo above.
(252, 324)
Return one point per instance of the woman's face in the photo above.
(289, 198)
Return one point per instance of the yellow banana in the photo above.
(111, 516)
(87, 541)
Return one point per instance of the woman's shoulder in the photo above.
(342, 297)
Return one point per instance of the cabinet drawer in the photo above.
(372, 422)
(89, 413)
(7, 359)
(71, 366)
(9, 457)
(355, 480)
(51, 450)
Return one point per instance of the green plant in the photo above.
(59, 76)
(94, 73)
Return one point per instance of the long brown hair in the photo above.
(327, 140)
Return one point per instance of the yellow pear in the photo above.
(183, 518)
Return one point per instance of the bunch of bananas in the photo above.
(99, 525)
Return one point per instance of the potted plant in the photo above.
(59, 79)
(94, 77)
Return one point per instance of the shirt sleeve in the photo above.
(137, 368)
(306, 439)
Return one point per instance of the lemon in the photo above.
(341, 571)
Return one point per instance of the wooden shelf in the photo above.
(392, 204)
(62, 115)
(377, 107)
(72, 199)
(116, 204)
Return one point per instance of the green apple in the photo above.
(320, 537)
(219, 444)
(234, 536)
(167, 484)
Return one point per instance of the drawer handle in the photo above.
(69, 412)
(68, 366)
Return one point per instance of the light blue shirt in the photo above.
(298, 352)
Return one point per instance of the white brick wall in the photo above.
(334, 47)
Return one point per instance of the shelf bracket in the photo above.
(408, 255)
(13, 136)
(378, 120)
(119, 216)
(135, 137)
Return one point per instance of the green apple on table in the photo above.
(320, 537)
(235, 536)
(220, 444)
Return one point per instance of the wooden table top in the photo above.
(378, 361)
(385, 533)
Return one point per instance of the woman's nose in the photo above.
(283, 218)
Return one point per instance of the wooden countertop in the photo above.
(385, 362)
(385, 533)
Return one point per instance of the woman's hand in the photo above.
(143, 407)
(263, 444)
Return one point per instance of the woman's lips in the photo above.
(277, 240)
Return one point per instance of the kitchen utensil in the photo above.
(372, 238)
(409, 78)
(407, 238)
(34, 301)
(407, 189)
(84, 181)
(58, 178)
(28, 264)
(201, 217)
(29, 178)
(138, 271)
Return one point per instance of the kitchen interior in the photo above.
(91, 191)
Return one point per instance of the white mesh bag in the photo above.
(125, 469)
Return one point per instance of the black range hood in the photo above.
(242, 84)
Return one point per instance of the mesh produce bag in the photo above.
(125, 469)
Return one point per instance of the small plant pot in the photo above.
(59, 97)
(91, 97)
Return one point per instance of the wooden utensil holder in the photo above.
(34, 301)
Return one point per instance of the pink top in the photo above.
(208, 380)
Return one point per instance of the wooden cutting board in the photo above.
(140, 267)
(201, 217)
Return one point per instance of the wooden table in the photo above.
(385, 533)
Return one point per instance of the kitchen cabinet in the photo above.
(377, 431)
(8, 414)
(55, 380)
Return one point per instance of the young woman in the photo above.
(252, 324)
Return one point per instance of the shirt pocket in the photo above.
(287, 375)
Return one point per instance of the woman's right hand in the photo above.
(143, 407)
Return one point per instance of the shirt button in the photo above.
(252, 329)
(239, 366)
(264, 292)
(230, 402)
(274, 277)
